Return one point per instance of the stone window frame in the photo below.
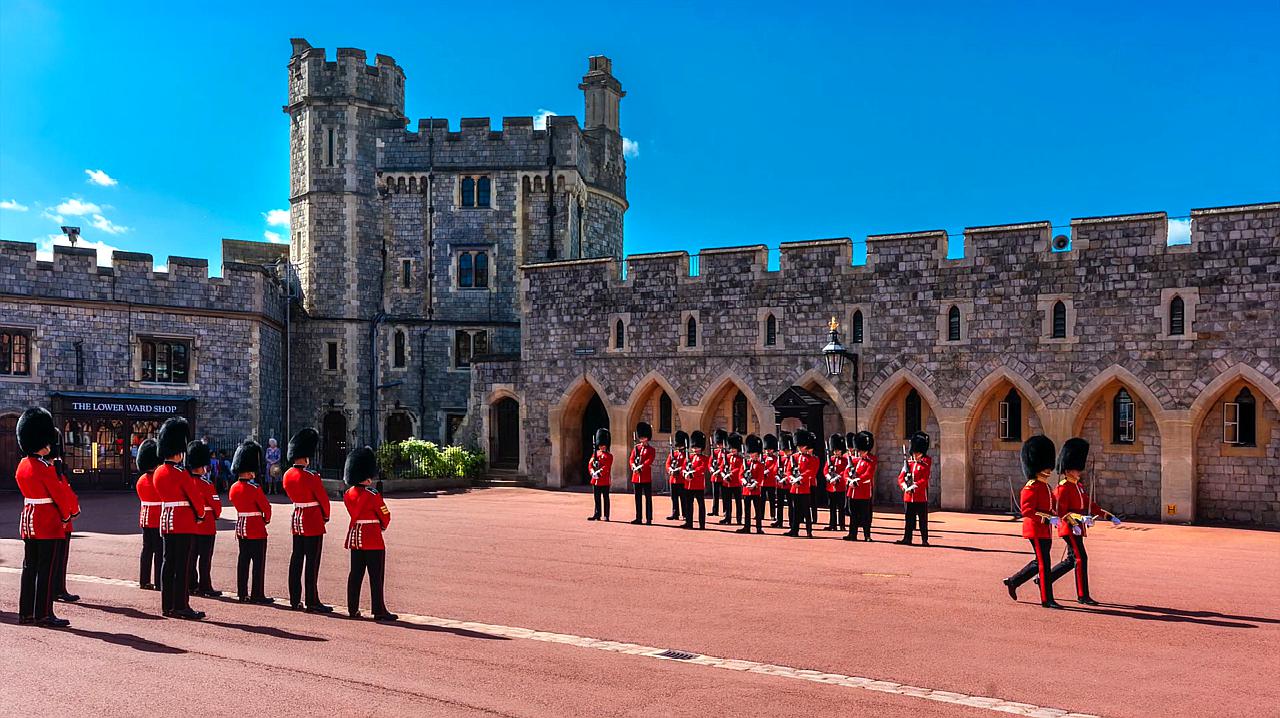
(337, 367)
(391, 349)
(611, 325)
(762, 317)
(1190, 298)
(1262, 422)
(407, 266)
(944, 308)
(33, 332)
(682, 334)
(847, 335)
(444, 415)
(457, 192)
(329, 143)
(1044, 304)
(455, 276)
(193, 362)
(902, 411)
(453, 347)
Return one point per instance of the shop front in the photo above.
(101, 432)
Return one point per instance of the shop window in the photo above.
(15, 352)
(165, 361)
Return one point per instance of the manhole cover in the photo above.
(677, 655)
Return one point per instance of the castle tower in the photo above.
(606, 202)
(603, 93)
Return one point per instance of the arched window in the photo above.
(953, 324)
(468, 192)
(527, 184)
(1011, 417)
(1177, 317)
(855, 331)
(466, 271)
(771, 331)
(740, 413)
(482, 192)
(482, 269)
(1059, 320)
(664, 414)
(398, 353)
(1240, 420)
(691, 333)
(619, 335)
(1122, 418)
(913, 419)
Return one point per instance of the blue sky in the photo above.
(753, 123)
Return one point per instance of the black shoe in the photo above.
(673, 517)
(686, 526)
(713, 513)
(868, 539)
(850, 537)
(295, 606)
(354, 614)
(637, 522)
(593, 518)
(67, 597)
(26, 620)
(262, 600)
(792, 534)
(242, 599)
(1051, 604)
(649, 522)
(167, 614)
(319, 608)
(186, 614)
(924, 543)
(1013, 590)
(209, 593)
(808, 534)
(1088, 601)
(903, 542)
(386, 617)
(743, 530)
(147, 586)
(606, 518)
(53, 622)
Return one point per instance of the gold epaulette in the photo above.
(1030, 483)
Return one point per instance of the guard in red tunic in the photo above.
(1077, 510)
(46, 508)
(731, 477)
(804, 477)
(600, 469)
(199, 456)
(859, 477)
(786, 472)
(914, 482)
(181, 511)
(60, 592)
(769, 478)
(719, 438)
(753, 485)
(149, 517)
(696, 468)
(253, 513)
(310, 514)
(641, 466)
(675, 473)
(1038, 518)
(836, 462)
(369, 518)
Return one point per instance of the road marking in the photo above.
(989, 703)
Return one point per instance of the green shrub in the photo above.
(415, 458)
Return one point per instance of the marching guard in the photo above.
(149, 562)
(719, 438)
(1038, 518)
(731, 478)
(836, 462)
(47, 506)
(804, 476)
(600, 468)
(753, 485)
(60, 592)
(769, 477)
(310, 514)
(860, 476)
(696, 467)
(197, 462)
(641, 462)
(181, 511)
(369, 518)
(253, 513)
(1077, 511)
(914, 482)
(675, 473)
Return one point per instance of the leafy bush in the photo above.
(415, 458)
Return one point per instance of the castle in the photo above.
(469, 286)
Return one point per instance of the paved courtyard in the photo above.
(512, 604)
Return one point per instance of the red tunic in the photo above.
(734, 468)
(212, 505)
(808, 465)
(716, 464)
(60, 469)
(835, 473)
(696, 468)
(861, 477)
(183, 502)
(148, 503)
(1071, 498)
(253, 511)
(369, 518)
(920, 469)
(601, 467)
(784, 471)
(769, 475)
(642, 456)
(1036, 499)
(48, 503)
(310, 502)
(754, 472)
(675, 468)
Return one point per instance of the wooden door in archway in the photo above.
(594, 416)
(506, 433)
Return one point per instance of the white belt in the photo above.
(35, 502)
(306, 505)
(174, 504)
(367, 521)
(249, 513)
(146, 504)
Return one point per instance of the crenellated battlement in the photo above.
(474, 144)
(312, 77)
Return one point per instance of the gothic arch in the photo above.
(722, 383)
(817, 378)
(979, 395)
(640, 394)
(565, 425)
(1114, 374)
(1209, 394)
(890, 385)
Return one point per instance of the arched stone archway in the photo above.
(837, 415)
(1002, 411)
(1125, 464)
(580, 411)
(656, 402)
(1223, 450)
(898, 407)
(716, 410)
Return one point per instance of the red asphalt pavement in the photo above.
(1190, 624)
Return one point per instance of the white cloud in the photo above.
(277, 217)
(273, 237)
(13, 206)
(1179, 231)
(44, 249)
(77, 208)
(106, 225)
(540, 119)
(52, 216)
(100, 178)
(630, 148)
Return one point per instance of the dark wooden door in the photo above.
(8, 451)
(595, 416)
(506, 422)
(399, 427)
(334, 435)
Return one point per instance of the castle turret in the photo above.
(602, 94)
(605, 202)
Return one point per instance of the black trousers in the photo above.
(60, 567)
(305, 561)
(691, 497)
(601, 496)
(375, 563)
(753, 502)
(677, 494)
(645, 491)
(1077, 558)
(35, 598)
(917, 511)
(151, 558)
(860, 517)
(731, 497)
(717, 493)
(175, 576)
(1038, 566)
(770, 496)
(800, 510)
(835, 502)
(201, 562)
(253, 554)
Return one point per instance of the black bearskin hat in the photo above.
(248, 458)
(735, 441)
(850, 442)
(362, 464)
(698, 440)
(198, 455)
(770, 442)
(644, 431)
(1075, 452)
(787, 441)
(803, 438)
(681, 440)
(148, 456)
(864, 441)
(835, 442)
(719, 437)
(303, 445)
(35, 430)
(1037, 455)
(173, 436)
(754, 445)
(602, 438)
(919, 443)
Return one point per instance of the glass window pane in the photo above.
(178, 363)
(162, 361)
(482, 192)
(771, 331)
(953, 324)
(691, 333)
(857, 327)
(461, 349)
(5, 365)
(664, 414)
(21, 366)
(468, 192)
(466, 276)
(479, 344)
(148, 361)
(482, 269)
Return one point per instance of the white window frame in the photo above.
(1231, 423)
(1128, 425)
(1005, 434)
